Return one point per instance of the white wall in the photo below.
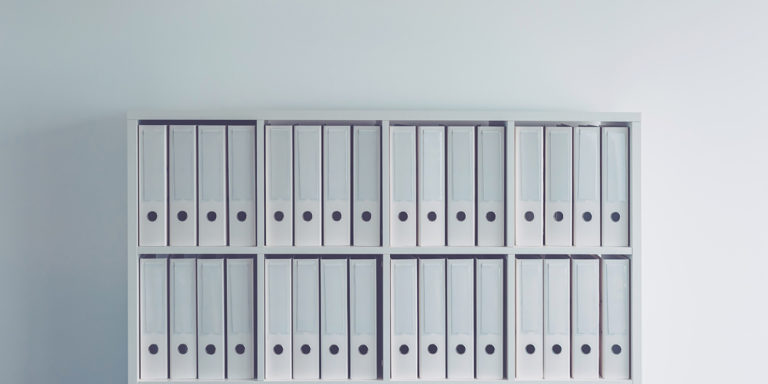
(70, 70)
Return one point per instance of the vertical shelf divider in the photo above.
(260, 319)
(261, 194)
(132, 139)
(510, 316)
(635, 287)
(385, 316)
(385, 188)
(509, 174)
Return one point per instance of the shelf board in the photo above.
(454, 381)
(332, 250)
(395, 115)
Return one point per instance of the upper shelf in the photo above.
(389, 115)
(546, 250)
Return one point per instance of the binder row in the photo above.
(195, 323)
(567, 190)
(433, 186)
(447, 318)
(197, 185)
(331, 329)
(323, 185)
(572, 317)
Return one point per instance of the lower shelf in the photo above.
(581, 381)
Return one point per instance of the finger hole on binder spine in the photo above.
(461, 216)
(404, 349)
(402, 216)
(432, 349)
(556, 349)
(182, 215)
(211, 216)
(616, 349)
(240, 349)
(152, 216)
(460, 349)
(277, 349)
(587, 216)
(307, 216)
(305, 349)
(279, 216)
(432, 216)
(336, 215)
(334, 349)
(363, 349)
(153, 349)
(366, 216)
(586, 349)
(490, 349)
(529, 216)
(241, 216)
(183, 349)
(210, 349)
(558, 216)
(530, 349)
(490, 216)
(615, 217)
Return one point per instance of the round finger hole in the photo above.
(586, 349)
(363, 349)
(529, 216)
(211, 216)
(279, 216)
(210, 349)
(366, 216)
(461, 216)
(432, 349)
(153, 349)
(336, 215)
(152, 216)
(558, 216)
(402, 216)
(307, 216)
(587, 216)
(490, 349)
(305, 349)
(432, 216)
(182, 215)
(404, 349)
(183, 349)
(460, 349)
(556, 349)
(615, 217)
(530, 349)
(241, 216)
(240, 349)
(616, 349)
(334, 349)
(278, 349)
(490, 216)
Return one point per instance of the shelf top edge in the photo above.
(385, 114)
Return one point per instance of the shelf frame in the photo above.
(385, 118)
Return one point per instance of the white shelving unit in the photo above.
(384, 119)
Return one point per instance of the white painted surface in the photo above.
(72, 69)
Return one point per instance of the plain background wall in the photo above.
(69, 71)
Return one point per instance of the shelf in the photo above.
(236, 381)
(404, 115)
(546, 250)
(384, 253)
